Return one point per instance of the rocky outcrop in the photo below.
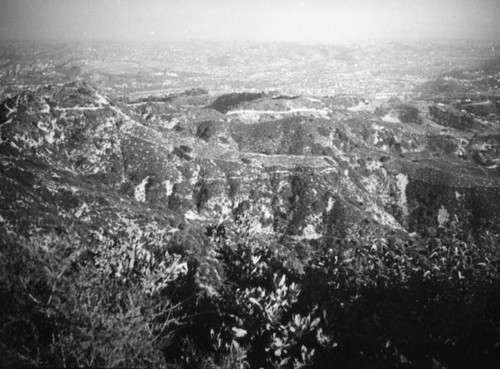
(70, 157)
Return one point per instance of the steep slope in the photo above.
(304, 168)
(62, 162)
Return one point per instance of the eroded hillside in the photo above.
(305, 167)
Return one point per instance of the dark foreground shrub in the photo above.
(236, 298)
(65, 302)
(394, 304)
(368, 303)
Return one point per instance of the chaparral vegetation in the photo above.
(230, 298)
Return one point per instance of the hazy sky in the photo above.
(325, 21)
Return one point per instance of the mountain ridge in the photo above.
(84, 160)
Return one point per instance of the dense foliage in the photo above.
(65, 302)
(225, 102)
(229, 297)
